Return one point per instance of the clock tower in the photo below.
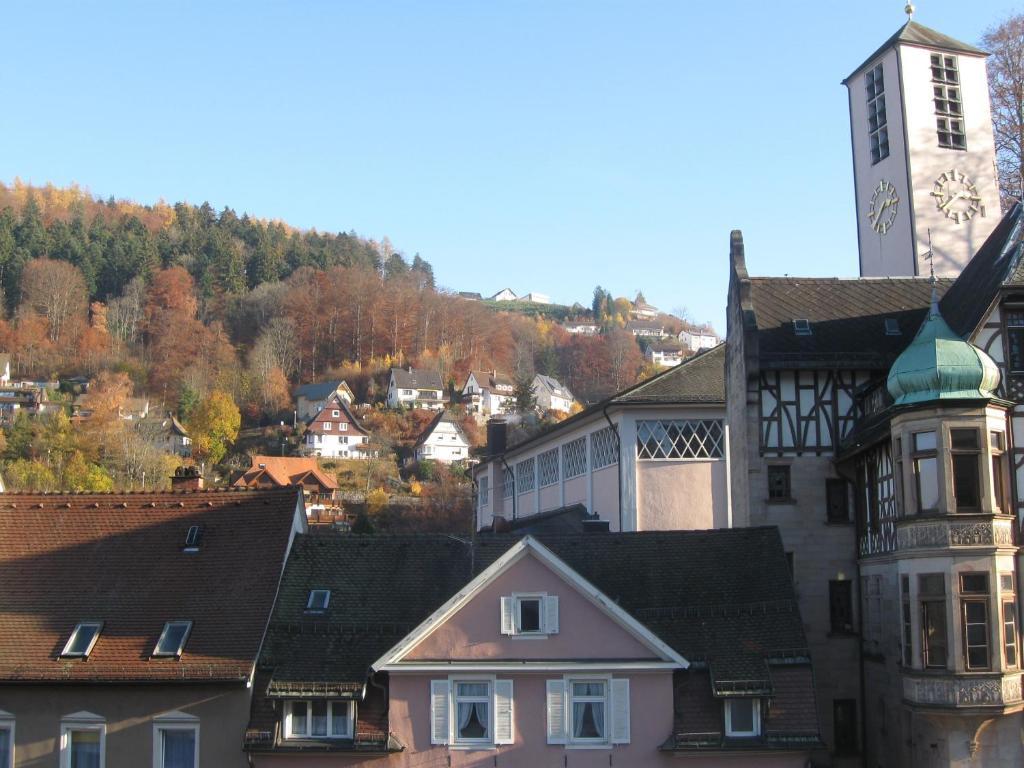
(923, 154)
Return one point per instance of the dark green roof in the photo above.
(916, 34)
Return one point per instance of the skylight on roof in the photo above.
(192, 538)
(892, 328)
(802, 326)
(172, 639)
(318, 600)
(82, 639)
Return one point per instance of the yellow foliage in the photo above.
(376, 500)
(415, 488)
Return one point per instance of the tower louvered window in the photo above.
(878, 129)
(949, 109)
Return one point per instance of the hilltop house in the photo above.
(487, 393)
(505, 294)
(589, 649)
(652, 457)
(416, 388)
(443, 441)
(696, 338)
(552, 395)
(334, 432)
(133, 635)
(647, 329)
(581, 327)
(666, 353)
(319, 488)
(166, 433)
(641, 310)
(311, 398)
(537, 298)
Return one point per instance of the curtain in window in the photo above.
(339, 719)
(5, 748)
(85, 749)
(319, 718)
(588, 720)
(473, 720)
(179, 749)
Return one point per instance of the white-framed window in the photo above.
(484, 487)
(529, 614)
(318, 600)
(176, 741)
(471, 712)
(327, 426)
(83, 741)
(335, 414)
(319, 719)
(6, 739)
(172, 639)
(588, 711)
(525, 475)
(82, 639)
(547, 467)
(343, 426)
(604, 448)
(574, 458)
(742, 717)
(508, 482)
(679, 439)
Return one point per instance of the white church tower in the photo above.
(923, 154)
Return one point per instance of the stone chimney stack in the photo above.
(187, 479)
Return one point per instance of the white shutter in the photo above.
(556, 711)
(504, 730)
(439, 711)
(620, 711)
(508, 616)
(551, 615)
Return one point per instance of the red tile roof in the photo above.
(119, 559)
(284, 470)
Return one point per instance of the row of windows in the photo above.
(83, 742)
(878, 130)
(319, 719)
(964, 465)
(86, 633)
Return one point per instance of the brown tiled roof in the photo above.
(284, 470)
(446, 416)
(487, 379)
(335, 404)
(119, 559)
(417, 378)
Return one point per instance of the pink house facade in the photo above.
(653, 457)
(528, 662)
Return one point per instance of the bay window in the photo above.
(932, 592)
(974, 614)
(1009, 603)
(1000, 482)
(966, 462)
(926, 472)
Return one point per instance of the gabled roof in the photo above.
(723, 598)
(336, 403)
(283, 471)
(417, 378)
(321, 390)
(488, 379)
(393, 657)
(921, 36)
(445, 416)
(119, 559)
(552, 385)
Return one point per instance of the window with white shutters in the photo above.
(574, 458)
(588, 711)
(547, 467)
(604, 448)
(473, 711)
(529, 614)
(679, 439)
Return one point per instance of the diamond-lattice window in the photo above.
(525, 476)
(574, 458)
(679, 439)
(547, 467)
(604, 448)
(508, 483)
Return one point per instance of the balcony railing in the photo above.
(963, 691)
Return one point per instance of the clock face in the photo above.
(956, 196)
(882, 209)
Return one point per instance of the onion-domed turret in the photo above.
(939, 365)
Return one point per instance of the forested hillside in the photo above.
(187, 300)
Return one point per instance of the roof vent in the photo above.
(802, 326)
(892, 328)
(262, 466)
(192, 539)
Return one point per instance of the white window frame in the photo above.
(547, 628)
(181, 647)
(454, 740)
(66, 653)
(327, 426)
(757, 718)
(335, 414)
(81, 721)
(7, 724)
(173, 721)
(571, 742)
(349, 719)
(519, 598)
(309, 601)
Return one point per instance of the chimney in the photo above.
(497, 437)
(187, 479)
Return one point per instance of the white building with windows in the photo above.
(652, 457)
(442, 441)
(697, 338)
(552, 395)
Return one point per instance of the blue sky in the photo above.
(549, 146)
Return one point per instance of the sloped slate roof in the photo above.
(553, 385)
(913, 33)
(698, 379)
(446, 416)
(417, 378)
(318, 390)
(117, 558)
(722, 598)
(847, 318)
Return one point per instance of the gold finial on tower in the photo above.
(909, 10)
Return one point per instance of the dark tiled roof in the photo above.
(698, 379)
(117, 558)
(568, 519)
(318, 390)
(913, 33)
(446, 416)
(416, 378)
(847, 318)
(997, 263)
(723, 598)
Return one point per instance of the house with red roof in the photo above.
(335, 432)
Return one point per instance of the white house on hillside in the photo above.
(581, 327)
(443, 441)
(642, 310)
(415, 388)
(645, 329)
(334, 432)
(665, 354)
(487, 393)
(311, 398)
(696, 339)
(505, 294)
(537, 298)
(552, 395)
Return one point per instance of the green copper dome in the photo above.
(939, 365)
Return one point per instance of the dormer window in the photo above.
(318, 600)
(802, 327)
(742, 718)
(529, 615)
(172, 639)
(82, 640)
(319, 719)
